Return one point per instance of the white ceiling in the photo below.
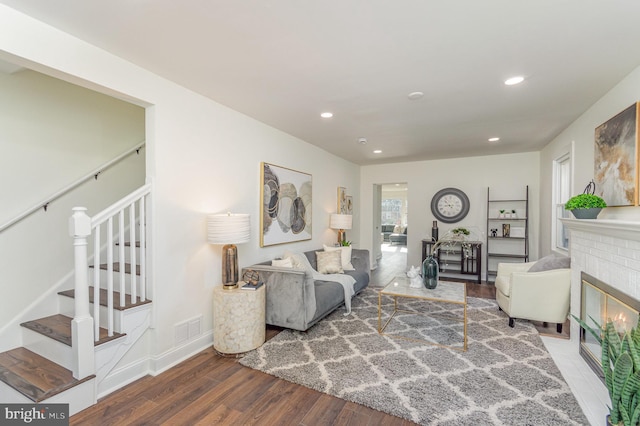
(284, 62)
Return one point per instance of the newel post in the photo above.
(82, 324)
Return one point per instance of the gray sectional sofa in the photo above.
(387, 230)
(399, 238)
(296, 301)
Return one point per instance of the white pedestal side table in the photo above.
(238, 319)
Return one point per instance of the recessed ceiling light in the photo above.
(494, 139)
(377, 151)
(326, 115)
(415, 95)
(514, 80)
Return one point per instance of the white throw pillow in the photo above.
(299, 261)
(329, 262)
(345, 254)
(283, 263)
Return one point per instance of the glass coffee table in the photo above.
(445, 292)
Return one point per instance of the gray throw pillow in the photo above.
(550, 262)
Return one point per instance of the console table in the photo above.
(452, 259)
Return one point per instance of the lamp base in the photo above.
(341, 236)
(230, 275)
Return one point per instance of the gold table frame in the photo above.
(445, 292)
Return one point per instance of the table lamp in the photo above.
(341, 222)
(229, 229)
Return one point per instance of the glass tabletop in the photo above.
(446, 291)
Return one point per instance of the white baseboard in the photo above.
(175, 356)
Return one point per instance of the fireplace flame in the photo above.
(620, 322)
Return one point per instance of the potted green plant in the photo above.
(460, 231)
(621, 366)
(459, 234)
(585, 206)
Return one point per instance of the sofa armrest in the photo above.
(360, 260)
(290, 296)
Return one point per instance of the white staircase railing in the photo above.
(114, 223)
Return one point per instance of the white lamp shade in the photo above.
(228, 228)
(341, 221)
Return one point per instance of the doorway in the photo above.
(390, 226)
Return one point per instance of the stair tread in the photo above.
(58, 327)
(116, 299)
(34, 376)
(116, 267)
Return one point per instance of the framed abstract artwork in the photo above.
(286, 205)
(616, 159)
(349, 204)
(342, 200)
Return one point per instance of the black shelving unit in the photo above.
(453, 262)
(503, 246)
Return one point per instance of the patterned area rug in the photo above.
(506, 377)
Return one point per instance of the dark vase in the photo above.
(434, 231)
(430, 272)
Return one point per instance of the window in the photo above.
(392, 212)
(561, 193)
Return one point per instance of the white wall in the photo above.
(202, 157)
(56, 132)
(581, 134)
(52, 133)
(507, 175)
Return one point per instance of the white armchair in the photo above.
(537, 296)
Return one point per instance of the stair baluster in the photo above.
(121, 259)
(96, 282)
(109, 278)
(132, 250)
(143, 251)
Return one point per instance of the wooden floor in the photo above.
(208, 389)
(211, 390)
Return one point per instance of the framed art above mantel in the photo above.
(616, 158)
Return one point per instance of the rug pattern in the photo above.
(506, 377)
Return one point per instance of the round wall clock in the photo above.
(450, 205)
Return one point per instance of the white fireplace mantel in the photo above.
(623, 229)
